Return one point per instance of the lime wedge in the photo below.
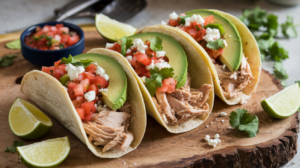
(27, 121)
(49, 153)
(284, 103)
(112, 29)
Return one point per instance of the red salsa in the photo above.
(52, 37)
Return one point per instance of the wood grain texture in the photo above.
(274, 145)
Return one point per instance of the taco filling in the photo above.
(175, 101)
(211, 36)
(86, 83)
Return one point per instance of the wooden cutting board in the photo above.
(274, 145)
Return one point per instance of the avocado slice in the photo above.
(116, 95)
(233, 53)
(174, 52)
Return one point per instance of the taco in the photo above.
(178, 91)
(96, 97)
(229, 48)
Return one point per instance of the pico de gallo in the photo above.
(85, 81)
(208, 34)
(147, 62)
(52, 37)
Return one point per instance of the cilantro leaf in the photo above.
(254, 18)
(215, 45)
(86, 62)
(13, 148)
(156, 43)
(216, 26)
(244, 121)
(288, 28)
(197, 28)
(7, 60)
(124, 43)
(272, 24)
(279, 71)
(16, 44)
(61, 46)
(264, 41)
(182, 19)
(68, 60)
(277, 52)
(156, 78)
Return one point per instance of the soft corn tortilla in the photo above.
(197, 69)
(250, 50)
(48, 93)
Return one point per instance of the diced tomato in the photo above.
(200, 34)
(47, 70)
(94, 88)
(56, 64)
(91, 68)
(173, 22)
(142, 58)
(59, 25)
(100, 82)
(215, 53)
(163, 88)
(62, 67)
(116, 48)
(64, 38)
(208, 19)
(57, 73)
(88, 117)
(78, 101)
(53, 29)
(193, 33)
(78, 90)
(142, 71)
(63, 30)
(80, 112)
(50, 34)
(85, 83)
(168, 85)
(46, 29)
(73, 40)
(89, 107)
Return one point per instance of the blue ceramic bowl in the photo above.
(48, 57)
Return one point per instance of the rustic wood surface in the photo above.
(274, 145)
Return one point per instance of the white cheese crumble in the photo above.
(57, 37)
(243, 101)
(213, 142)
(105, 76)
(173, 16)
(129, 58)
(103, 90)
(109, 45)
(160, 54)
(229, 127)
(73, 71)
(143, 79)
(139, 44)
(163, 23)
(159, 65)
(224, 66)
(212, 34)
(101, 72)
(225, 43)
(222, 120)
(223, 114)
(128, 51)
(90, 96)
(193, 18)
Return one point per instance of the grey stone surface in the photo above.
(19, 14)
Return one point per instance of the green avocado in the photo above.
(116, 95)
(233, 53)
(174, 52)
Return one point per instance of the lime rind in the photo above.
(283, 104)
(112, 29)
(29, 163)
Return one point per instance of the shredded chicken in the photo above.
(109, 128)
(233, 83)
(184, 104)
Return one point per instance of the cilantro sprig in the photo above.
(156, 43)
(288, 28)
(7, 60)
(71, 60)
(215, 45)
(15, 145)
(244, 121)
(216, 26)
(156, 78)
(125, 44)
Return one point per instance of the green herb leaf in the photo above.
(16, 44)
(7, 60)
(182, 19)
(215, 45)
(86, 62)
(216, 26)
(197, 28)
(272, 24)
(288, 28)
(277, 52)
(13, 148)
(125, 44)
(279, 71)
(68, 60)
(254, 18)
(61, 46)
(264, 41)
(244, 121)
(156, 43)
(298, 82)
(38, 38)
(156, 78)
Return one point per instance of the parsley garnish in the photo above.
(125, 44)
(156, 43)
(277, 52)
(156, 78)
(216, 26)
(6, 60)
(244, 121)
(215, 45)
(288, 28)
(13, 148)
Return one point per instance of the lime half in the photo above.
(112, 29)
(27, 121)
(49, 153)
(284, 103)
